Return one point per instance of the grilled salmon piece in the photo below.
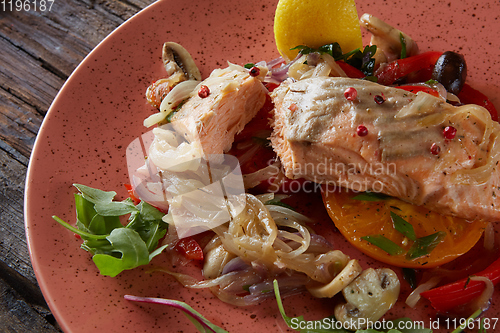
(234, 98)
(415, 147)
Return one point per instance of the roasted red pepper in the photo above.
(463, 291)
(350, 71)
(469, 95)
(190, 248)
(132, 194)
(403, 67)
(415, 89)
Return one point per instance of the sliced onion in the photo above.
(253, 179)
(179, 93)
(154, 119)
(483, 300)
(414, 297)
(235, 264)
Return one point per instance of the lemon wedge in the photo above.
(315, 23)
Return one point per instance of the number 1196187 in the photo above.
(26, 5)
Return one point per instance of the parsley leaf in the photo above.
(360, 59)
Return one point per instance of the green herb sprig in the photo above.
(360, 59)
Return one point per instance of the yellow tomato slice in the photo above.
(315, 23)
(356, 219)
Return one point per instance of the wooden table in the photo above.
(38, 51)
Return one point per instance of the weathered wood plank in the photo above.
(25, 78)
(13, 247)
(19, 123)
(55, 47)
(38, 51)
(16, 315)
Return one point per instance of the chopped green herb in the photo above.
(424, 245)
(431, 82)
(403, 45)
(403, 226)
(384, 244)
(371, 196)
(249, 65)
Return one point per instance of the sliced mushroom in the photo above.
(341, 280)
(387, 38)
(368, 298)
(177, 59)
(216, 257)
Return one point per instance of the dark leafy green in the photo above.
(410, 276)
(115, 247)
(360, 59)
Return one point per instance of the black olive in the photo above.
(450, 70)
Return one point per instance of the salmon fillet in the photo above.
(391, 141)
(235, 98)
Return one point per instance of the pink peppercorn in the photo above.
(449, 132)
(350, 94)
(204, 91)
(362, 130)
(379, 99)
(254, 71)
(435, 149)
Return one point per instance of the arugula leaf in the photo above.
(384, 243)
(103, 201)
(128, 251)
(148, 223)
(115, 247)
(403, 226)
(424, 245)
(371, 196)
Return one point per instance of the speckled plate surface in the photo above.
(100, 110)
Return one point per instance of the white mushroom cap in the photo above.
(368, 298)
